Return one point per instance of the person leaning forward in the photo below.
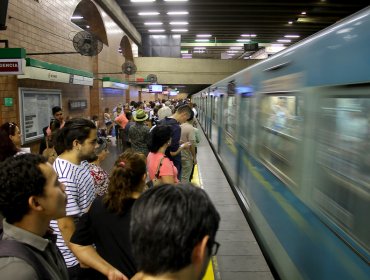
(30, 196)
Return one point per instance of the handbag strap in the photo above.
(158, 168)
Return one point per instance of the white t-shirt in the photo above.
(80, 189)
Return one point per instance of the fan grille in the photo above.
(87, 44)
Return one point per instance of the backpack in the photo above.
(13, 248)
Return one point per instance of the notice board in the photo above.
(35, 111)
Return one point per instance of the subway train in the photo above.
(293, 135)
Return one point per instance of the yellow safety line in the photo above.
(197, 181)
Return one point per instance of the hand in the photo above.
(185, 145)
(115, 274)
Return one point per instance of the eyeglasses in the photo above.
(214, 248)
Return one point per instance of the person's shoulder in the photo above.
(15, 268)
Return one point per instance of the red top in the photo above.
(167, 168)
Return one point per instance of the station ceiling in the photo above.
(262, 22)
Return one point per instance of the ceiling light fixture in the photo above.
(158, 36)
(141, 1)
(176, 36)
(179, 23)
(179, 30)
(148, 14)
(303, 13)
(204, 35)
(175, 0)
(153, 23)
(77, 17)
(248, 35)
(292, 36)
(236, 48)
(156, 30)
(175, 13)
(290, 22)
(284, 41)
(243, 40)
(199, 48)
(201, 40)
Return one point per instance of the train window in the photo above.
(342, 157)
(281, 133)
(230, 115)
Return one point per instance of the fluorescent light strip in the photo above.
(141, 1)
(175, 0)
(249, 35)
(179, 30)
(204, 35)
(176, 36)
(179, 23)
(283, 41)
(236, 48)
(77, 17)
(232, 52)
(199, 48)
(292, 36)
(243, 40)
(148, 14)
(156, 30)
(174, 13)
(201, 40)
(153, 23)
(158, 36)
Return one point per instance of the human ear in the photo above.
(76, 144)
(200, 255)
(34, 204)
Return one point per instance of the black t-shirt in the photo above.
(110, 233)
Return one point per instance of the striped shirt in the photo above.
(79, 186)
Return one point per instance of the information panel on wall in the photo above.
(35, 111)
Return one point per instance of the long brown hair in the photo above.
(126, 178)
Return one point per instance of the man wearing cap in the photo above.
(138, 133)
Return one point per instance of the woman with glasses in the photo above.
(10, 140)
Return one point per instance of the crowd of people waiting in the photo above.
(67, 218)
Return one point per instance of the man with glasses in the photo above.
(173, 230)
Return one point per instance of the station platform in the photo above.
(239, 256)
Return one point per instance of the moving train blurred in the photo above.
(293, 133)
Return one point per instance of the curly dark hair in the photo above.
(125, 179)
(158, 137)
(7, 147)
(20, 178)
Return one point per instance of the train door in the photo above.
(228, 150)
(209, 115)
(215, 122)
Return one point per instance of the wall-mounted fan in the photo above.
(87, 44)
(129, 68)
(152, 78)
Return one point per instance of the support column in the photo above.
(95, 90)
